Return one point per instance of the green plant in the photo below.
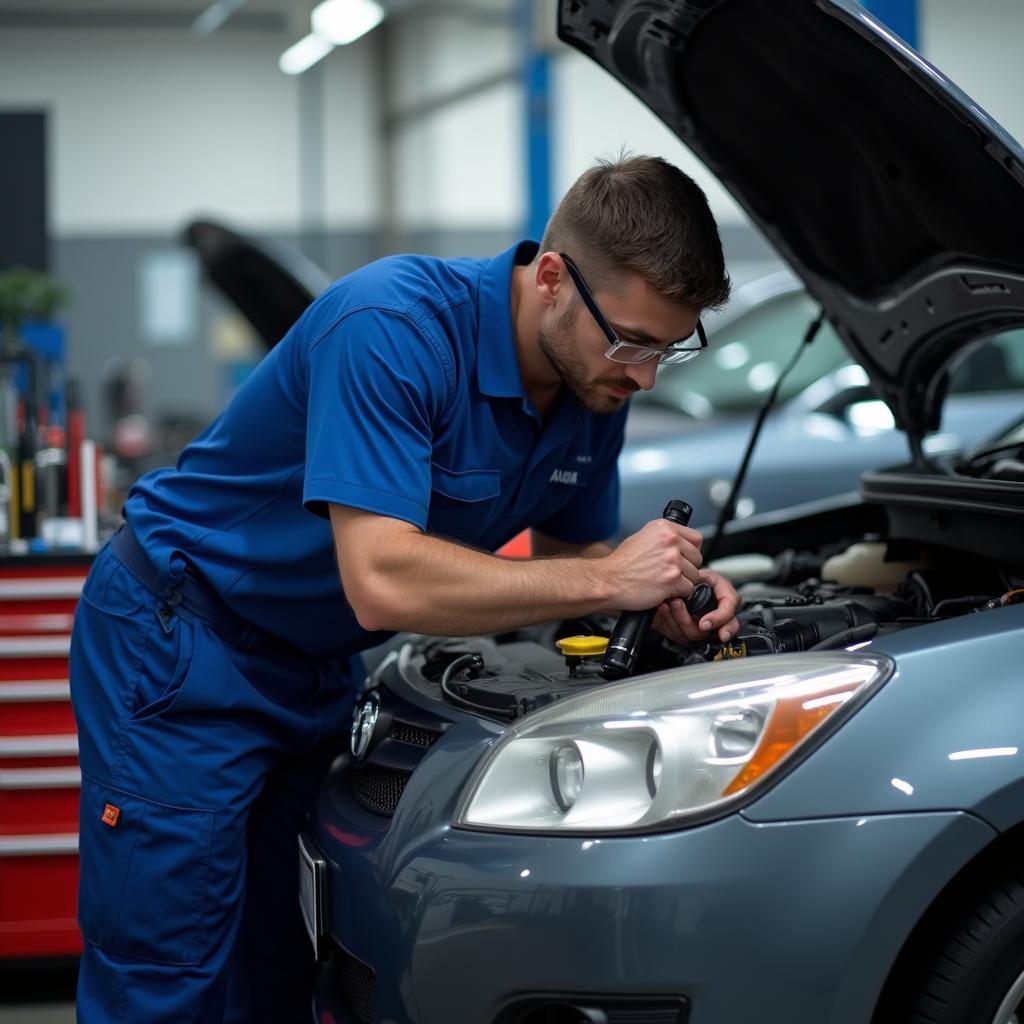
(26, 294)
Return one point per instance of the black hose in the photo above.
(865, 631)
(463, 661)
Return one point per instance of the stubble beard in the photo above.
(561, 348)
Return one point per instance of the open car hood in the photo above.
(898, 201)
(271, 285)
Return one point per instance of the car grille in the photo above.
(356, 982)
(379, 789)
(413, 734)
(379, 781)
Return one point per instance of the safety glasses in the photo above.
(628, 351)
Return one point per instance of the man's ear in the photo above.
(550, 277)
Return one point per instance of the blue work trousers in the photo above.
(200, 760)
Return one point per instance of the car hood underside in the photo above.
(896, 198)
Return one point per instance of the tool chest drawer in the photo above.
(37, 899)
(39, 776)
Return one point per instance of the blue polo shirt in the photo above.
(397, 392)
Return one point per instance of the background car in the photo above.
(686, 437)
(821, 820)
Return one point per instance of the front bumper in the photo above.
(782, 922)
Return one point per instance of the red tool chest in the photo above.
(39, 777)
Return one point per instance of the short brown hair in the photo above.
(642, 215)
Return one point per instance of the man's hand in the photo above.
(674, 621)
(659, 562)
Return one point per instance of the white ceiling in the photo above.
(259, 15)
(254, 15)
(134, 6)
(193, 7)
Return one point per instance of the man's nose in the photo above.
(643, 373)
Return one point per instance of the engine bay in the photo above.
(794, 601)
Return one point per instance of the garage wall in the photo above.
(455, 120)
(461, 164)
(596, 117)
(146, 127)
(978, 45)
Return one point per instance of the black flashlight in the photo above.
(631, 630)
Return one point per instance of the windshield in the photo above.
(746, 355)
(995, 366)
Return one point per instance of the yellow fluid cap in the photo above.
(729, 651)
(582, 646)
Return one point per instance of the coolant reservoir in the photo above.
(864, 565)
(739, 569)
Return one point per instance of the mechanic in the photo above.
(419, 414)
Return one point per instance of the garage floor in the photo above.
(38, 993)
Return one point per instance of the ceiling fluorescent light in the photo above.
(304, 54)
(344, 21)
(215, 15)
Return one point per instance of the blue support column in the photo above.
(536, 84)
(899, 15)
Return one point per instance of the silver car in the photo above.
(687, 436)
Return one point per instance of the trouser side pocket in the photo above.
(143, 883)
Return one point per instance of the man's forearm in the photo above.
(545, 546)
(430, 585)
(398, 578)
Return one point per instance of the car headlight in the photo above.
(664, 749)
